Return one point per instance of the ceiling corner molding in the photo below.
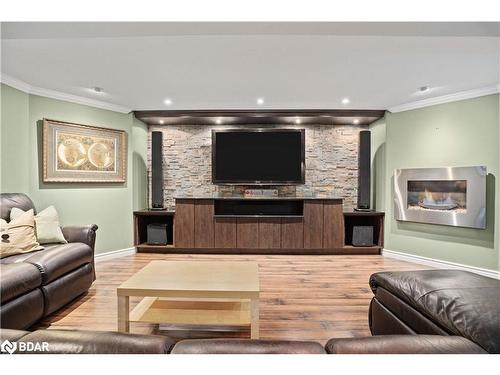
(462, 95)
(47, 93)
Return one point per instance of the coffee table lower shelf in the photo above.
(192, 312)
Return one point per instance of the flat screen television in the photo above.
(258, 156)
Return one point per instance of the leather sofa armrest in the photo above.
(80, 233)
(403, 344)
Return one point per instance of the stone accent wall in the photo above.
(331, 161)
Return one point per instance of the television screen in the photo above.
(260, 156)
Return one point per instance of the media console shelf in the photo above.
(142, 219)
(258, 208)
(360, 218)
(259, 225)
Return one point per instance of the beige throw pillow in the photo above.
(47, 225)
(18, 236)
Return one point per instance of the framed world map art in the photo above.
(83, 153)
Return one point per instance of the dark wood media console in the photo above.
(259, 226)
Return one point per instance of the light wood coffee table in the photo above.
(192, 293)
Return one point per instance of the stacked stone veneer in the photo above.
(331, 161)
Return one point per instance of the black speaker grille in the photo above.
(364, 166)
(156, 169)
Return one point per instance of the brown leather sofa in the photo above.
(91, 342)
(34, 285)
(437, 302)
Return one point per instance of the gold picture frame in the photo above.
(83, 153)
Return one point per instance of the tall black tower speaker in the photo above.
(156, 170)
(364, 173)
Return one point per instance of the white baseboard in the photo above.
(436, 263)
(115, 254)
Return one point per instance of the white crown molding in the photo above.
(115, 254)
(462, 95)
(33, 90)
(16, 83)
(437, 263)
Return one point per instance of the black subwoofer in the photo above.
(362, 235)
(156, 170)
(157, 234)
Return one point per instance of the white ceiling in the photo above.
(229, 65)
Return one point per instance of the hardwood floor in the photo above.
(302, 297)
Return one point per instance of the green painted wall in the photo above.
(139, 141)
(109, 206)
(378, 137)
(14, 140)
(464, 133)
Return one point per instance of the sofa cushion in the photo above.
(66, 288)
(47, 226)
(18, 236)
(22, 311)
(18, 258)
(17, 279)
(92, 342)
(245, 346)
(463, 303)
(59, 259)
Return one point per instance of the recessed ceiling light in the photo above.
(218, 121)
(355, 121)
(423, 89)
(161, 122)
(298, 120)
(98, 90)
(260, 101)
(345, 101)
(168, 101)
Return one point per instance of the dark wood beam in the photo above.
(263, 116)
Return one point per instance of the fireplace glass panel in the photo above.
(437, 195)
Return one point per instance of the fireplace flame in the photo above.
(443, 200)
(429, 198)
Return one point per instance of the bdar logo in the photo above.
(8, 347)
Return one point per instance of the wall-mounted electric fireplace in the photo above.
(449, 196)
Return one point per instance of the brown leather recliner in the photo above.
(34, 285)
(437, 302)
